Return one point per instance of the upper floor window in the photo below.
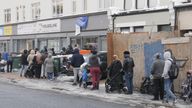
(57, 7)
(36, 10)
(108, 3)
(17, 13)
(84, 5)
(20, 13)
(74, 6)
(7, 15)
(140, 4)
(128, 4)
(152, 3)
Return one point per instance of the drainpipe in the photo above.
(113, 18)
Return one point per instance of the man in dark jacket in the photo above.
(128, 65)
(76, 61)
(157, 71)
(24, 63)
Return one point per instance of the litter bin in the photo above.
(57, 64)
(16, 63)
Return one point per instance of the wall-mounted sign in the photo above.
(1, 31)
(26, 28)
(8, 30)
(48, 26)
(39, 27)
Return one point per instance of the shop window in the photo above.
(7, 15)
(164, 28)
(139, 29)
(36, 10)
(54, 44)
(57, 7)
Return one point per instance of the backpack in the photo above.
(174, 70)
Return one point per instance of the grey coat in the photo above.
(49, 66)
(157, 68)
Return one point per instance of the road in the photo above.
(12, 96)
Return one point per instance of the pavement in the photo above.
(63, 85)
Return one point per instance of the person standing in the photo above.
(167, 81)
(76, 61)
(128, 65)
(39, 62)
(31, 57)
(115, 72)
(157, 71)
(49, 67)
(10, 63)
(94, 70)
(24, 63)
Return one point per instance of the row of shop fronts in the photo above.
(55, 33)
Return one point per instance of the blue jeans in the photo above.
(23, 69)
(167, 87)
(129, 82)
(50, 75)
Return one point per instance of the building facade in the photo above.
(28, 24)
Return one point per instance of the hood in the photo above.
(126, 55)
(76, 51)
(167, 55)
(32, 52)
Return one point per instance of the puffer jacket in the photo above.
(167, 66)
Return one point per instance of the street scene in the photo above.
(95, 54)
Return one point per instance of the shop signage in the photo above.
(1, 31)
(39, 27)
(8, 30)
(26, 28)
(48, 26)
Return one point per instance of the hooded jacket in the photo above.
(167, 66)
(77, 59)
(157, 68)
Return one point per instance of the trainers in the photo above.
(175, 101)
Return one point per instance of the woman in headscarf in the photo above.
(49, 67)
(114, 73)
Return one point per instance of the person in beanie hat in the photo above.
(128, 65)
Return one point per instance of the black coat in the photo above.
(24, 59)
(115, 73)
(77, 59)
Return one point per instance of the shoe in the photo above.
(175, 101)
(165, 101)
(94, 88)
(154, 99)
(74, 84)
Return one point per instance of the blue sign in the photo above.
(82, 22)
